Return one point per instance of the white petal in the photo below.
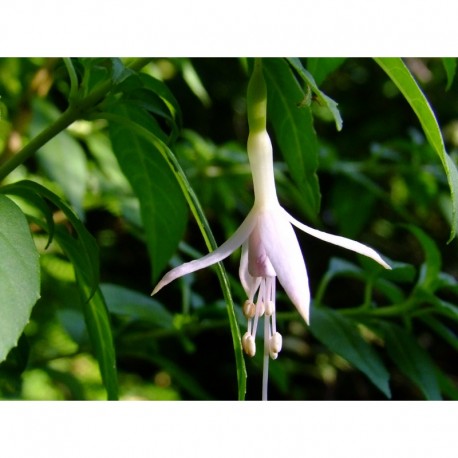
(285, 254)
(249, 283)
(338, 240)
(228, 247)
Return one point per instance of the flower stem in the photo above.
(265, 366)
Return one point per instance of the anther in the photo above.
(270, 307)
(248, 344)
(275, 344)
(249, 309)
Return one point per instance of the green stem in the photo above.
(73, 79)
(73, 112)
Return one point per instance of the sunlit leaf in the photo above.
(401, 76)
(62, 158)
(19, 274)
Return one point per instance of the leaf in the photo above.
(321, 96)
(430, 270)
(403, 79)
(207, 234)
(293, 127)
(135, 306)
(62, 158)
(412, 360)
(82, 250)
(89, 252)
(450, 68)
(341, 336)
(155, 97)
(321, 67)
(95, 313)
(163, 208)
(19, 275)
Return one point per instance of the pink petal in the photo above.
(228, 247)
(284, 253)
(338, 240)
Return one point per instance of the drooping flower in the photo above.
(270, 248)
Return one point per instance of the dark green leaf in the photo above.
(95, 313)
(450, 69)
(429, 272)
(19, 274)
(403, 79)
(163, 207)
(293, 128)
(412, 360)
(135, 306)
(341, 336)
(322, 98)
(321, 67)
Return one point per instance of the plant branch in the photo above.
(73, 112)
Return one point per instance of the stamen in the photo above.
(248, 344)
(275, 344)
(249, 309)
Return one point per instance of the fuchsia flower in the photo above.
(269, 244)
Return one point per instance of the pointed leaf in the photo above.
(19, 275)
(135, 306)
(163, 208)
(321, 67)
(341, 336)
(450, 68)
(95, 313)
(412, 360)
(293, 127)
(401, 76)
(321, 96)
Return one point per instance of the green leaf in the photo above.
(293, 127)
(95, 313)
(19, 275)
(322, 98)
(135, 306)
(89, 252)
(403, 79)
(62, 158)
(155, 97)
(412, 360)
(321, 67)
(163, 208)
(450, 68)
(82, 250)
(430, 270)
(204, 227)
(341, 336)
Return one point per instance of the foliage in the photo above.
(100, 161)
